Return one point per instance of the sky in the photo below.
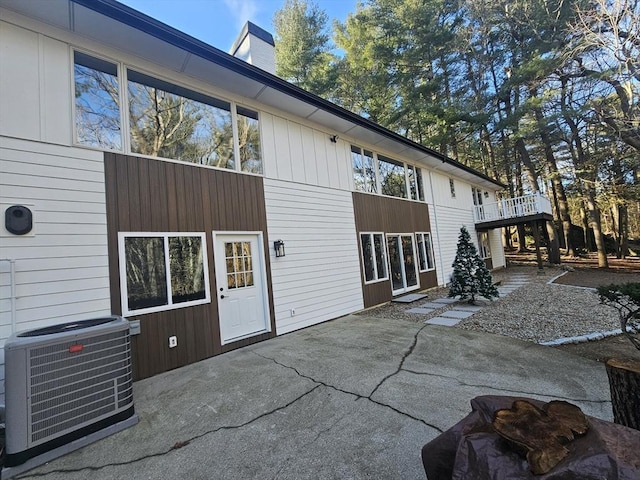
(218, 22)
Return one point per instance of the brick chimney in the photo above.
(255, 46)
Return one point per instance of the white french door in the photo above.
(241, 283)
(402, 263)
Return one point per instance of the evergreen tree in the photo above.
(303, 47)
(471, 276)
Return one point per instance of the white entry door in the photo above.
(240, 274)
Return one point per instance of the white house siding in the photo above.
(61, 269)
(299, 153)
(447, 215)
(320, 275)
(35, 86)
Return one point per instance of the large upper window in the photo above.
(249, 141)
(374, 258)
(364, 171)
(173, 122)
(162, 271)
(392, 177)
(164, 119)
(385, 175)
(416, 187)
(425, 252)
(97, 102)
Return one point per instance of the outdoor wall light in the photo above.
(333, 138)
(486, 194)
(278, 246)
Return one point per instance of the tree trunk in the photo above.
(553, 247)
(588, 244)
(594, 223)
(624, 382)
(522, 240)
(556, 179)
(506, 238)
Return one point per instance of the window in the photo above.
(249, 141)
(239, 264)
(97, 102)
(174, 122)
(416, 187)
(392, 177)
(483, 245)
(425, 252)
(452, 188)
(364, 171)
(477, 196)
(164, 119)
(374, 258)
(162, 271)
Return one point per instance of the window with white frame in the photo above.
(364, 171)
(425, 252)
(162, 271)
(452, 188)
(392, 177)
(484, 249)
(374, 257)
(164, 119)
(97, 103)
(386, 176)
(416, 187)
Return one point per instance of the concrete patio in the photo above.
(353, 398)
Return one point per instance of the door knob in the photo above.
(221, 296)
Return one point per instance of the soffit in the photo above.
(178, 52)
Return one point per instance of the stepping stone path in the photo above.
(436, 314)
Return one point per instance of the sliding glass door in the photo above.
(402, 260)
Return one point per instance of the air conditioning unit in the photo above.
(65, 386)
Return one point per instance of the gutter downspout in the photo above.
(435, 220)
(12, 276)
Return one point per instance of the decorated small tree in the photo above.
(471, 277)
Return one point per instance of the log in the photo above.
(541, 432)
(624, 383)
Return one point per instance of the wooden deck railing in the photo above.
(512, 208)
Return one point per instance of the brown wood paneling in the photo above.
(153, 195)
(375, 213)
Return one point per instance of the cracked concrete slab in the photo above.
(353, 398)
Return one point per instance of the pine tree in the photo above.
(471, 276)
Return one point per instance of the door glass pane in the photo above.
(395, 260)
(409, 261)
(239, 264)
(186, 266)
(146, 272)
